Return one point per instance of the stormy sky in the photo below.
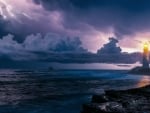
(28, 26)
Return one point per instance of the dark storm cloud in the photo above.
(110, 48)
(126, 17)
(53, 43)
(24, 26)
(34, 44)
(131, 5)
(53, 48)
(20, 30)
(3, 29)
(7, 27)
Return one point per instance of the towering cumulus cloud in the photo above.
(110, 48)
(55, 48)
(36, 43)
(54, 43)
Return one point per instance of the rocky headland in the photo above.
(140, 71)
(123, 101)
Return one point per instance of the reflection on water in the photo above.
(52, 92)
(145, 80)
(98, 66)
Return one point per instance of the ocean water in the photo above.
(59, 91)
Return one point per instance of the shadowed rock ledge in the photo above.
(123, 101)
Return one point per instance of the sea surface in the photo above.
(59, 91)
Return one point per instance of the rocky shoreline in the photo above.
(123, 101)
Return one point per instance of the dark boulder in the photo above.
(100, 98)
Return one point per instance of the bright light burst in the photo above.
(6, 10)
(9, 12)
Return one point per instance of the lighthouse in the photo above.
(144, 70)
(146, 56)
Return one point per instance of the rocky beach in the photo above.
(122, 101)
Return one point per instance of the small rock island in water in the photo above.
(145, 68)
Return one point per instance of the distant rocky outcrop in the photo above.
(140, 71)
(123, 101)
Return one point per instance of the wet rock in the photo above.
(112, 107)
(108, 107)
(123, 101)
